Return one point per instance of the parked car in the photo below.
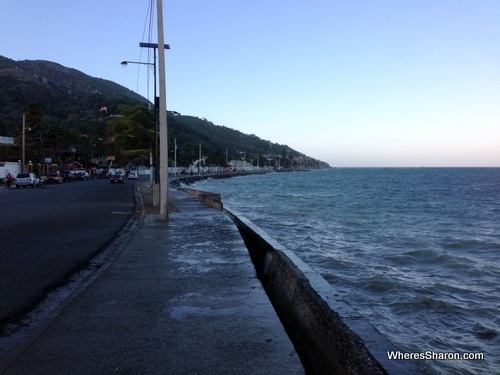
(27, 179)
(116, 178)
(54, 178)
(133, 175)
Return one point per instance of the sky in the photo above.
(355, 83)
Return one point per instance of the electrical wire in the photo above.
(148, 30)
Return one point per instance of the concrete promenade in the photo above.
(177, 298)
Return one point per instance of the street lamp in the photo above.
(125, 63)
(154, 46)
(155, 161)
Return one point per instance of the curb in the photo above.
(34, 323)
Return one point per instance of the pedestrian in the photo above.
(9, 179)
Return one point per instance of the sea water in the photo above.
(416, 251)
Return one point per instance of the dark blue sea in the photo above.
(416, 251)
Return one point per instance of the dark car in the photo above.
(116, 178)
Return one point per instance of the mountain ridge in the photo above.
(72, 81)
(66, 100)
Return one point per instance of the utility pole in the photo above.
(154, 46)
(163, 117)
(175, 157)
(199, 161)
(24, 144)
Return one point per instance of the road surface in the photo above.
(48, 234)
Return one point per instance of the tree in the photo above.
(131, 135)
(217, 157)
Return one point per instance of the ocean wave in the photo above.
(382, 284)
(484, 333)
(427, 303)
(335, 263)
(427, 254)
(444, 287)
(400, 259)
(470, 244)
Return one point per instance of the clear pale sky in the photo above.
(349, 82)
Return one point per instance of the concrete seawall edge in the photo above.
(328, 333)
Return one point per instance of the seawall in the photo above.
(207, 198)
(329, 335)
(189, 179)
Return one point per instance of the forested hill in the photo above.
(218, 140)
(58, 78)
(66, 107)
(58, 91)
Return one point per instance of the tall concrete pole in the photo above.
(163, 116)
(175, 157)
(23, 161)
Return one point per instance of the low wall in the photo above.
(208, 199)
(330, 336)
(189, 179)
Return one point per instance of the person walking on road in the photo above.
(9, 180)
(43, 181)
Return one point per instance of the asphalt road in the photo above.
(48, 234)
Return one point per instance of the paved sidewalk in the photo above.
(180, 298)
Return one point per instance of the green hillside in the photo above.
(71, 116)
(218, 140)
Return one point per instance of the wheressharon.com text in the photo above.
(432, 355)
